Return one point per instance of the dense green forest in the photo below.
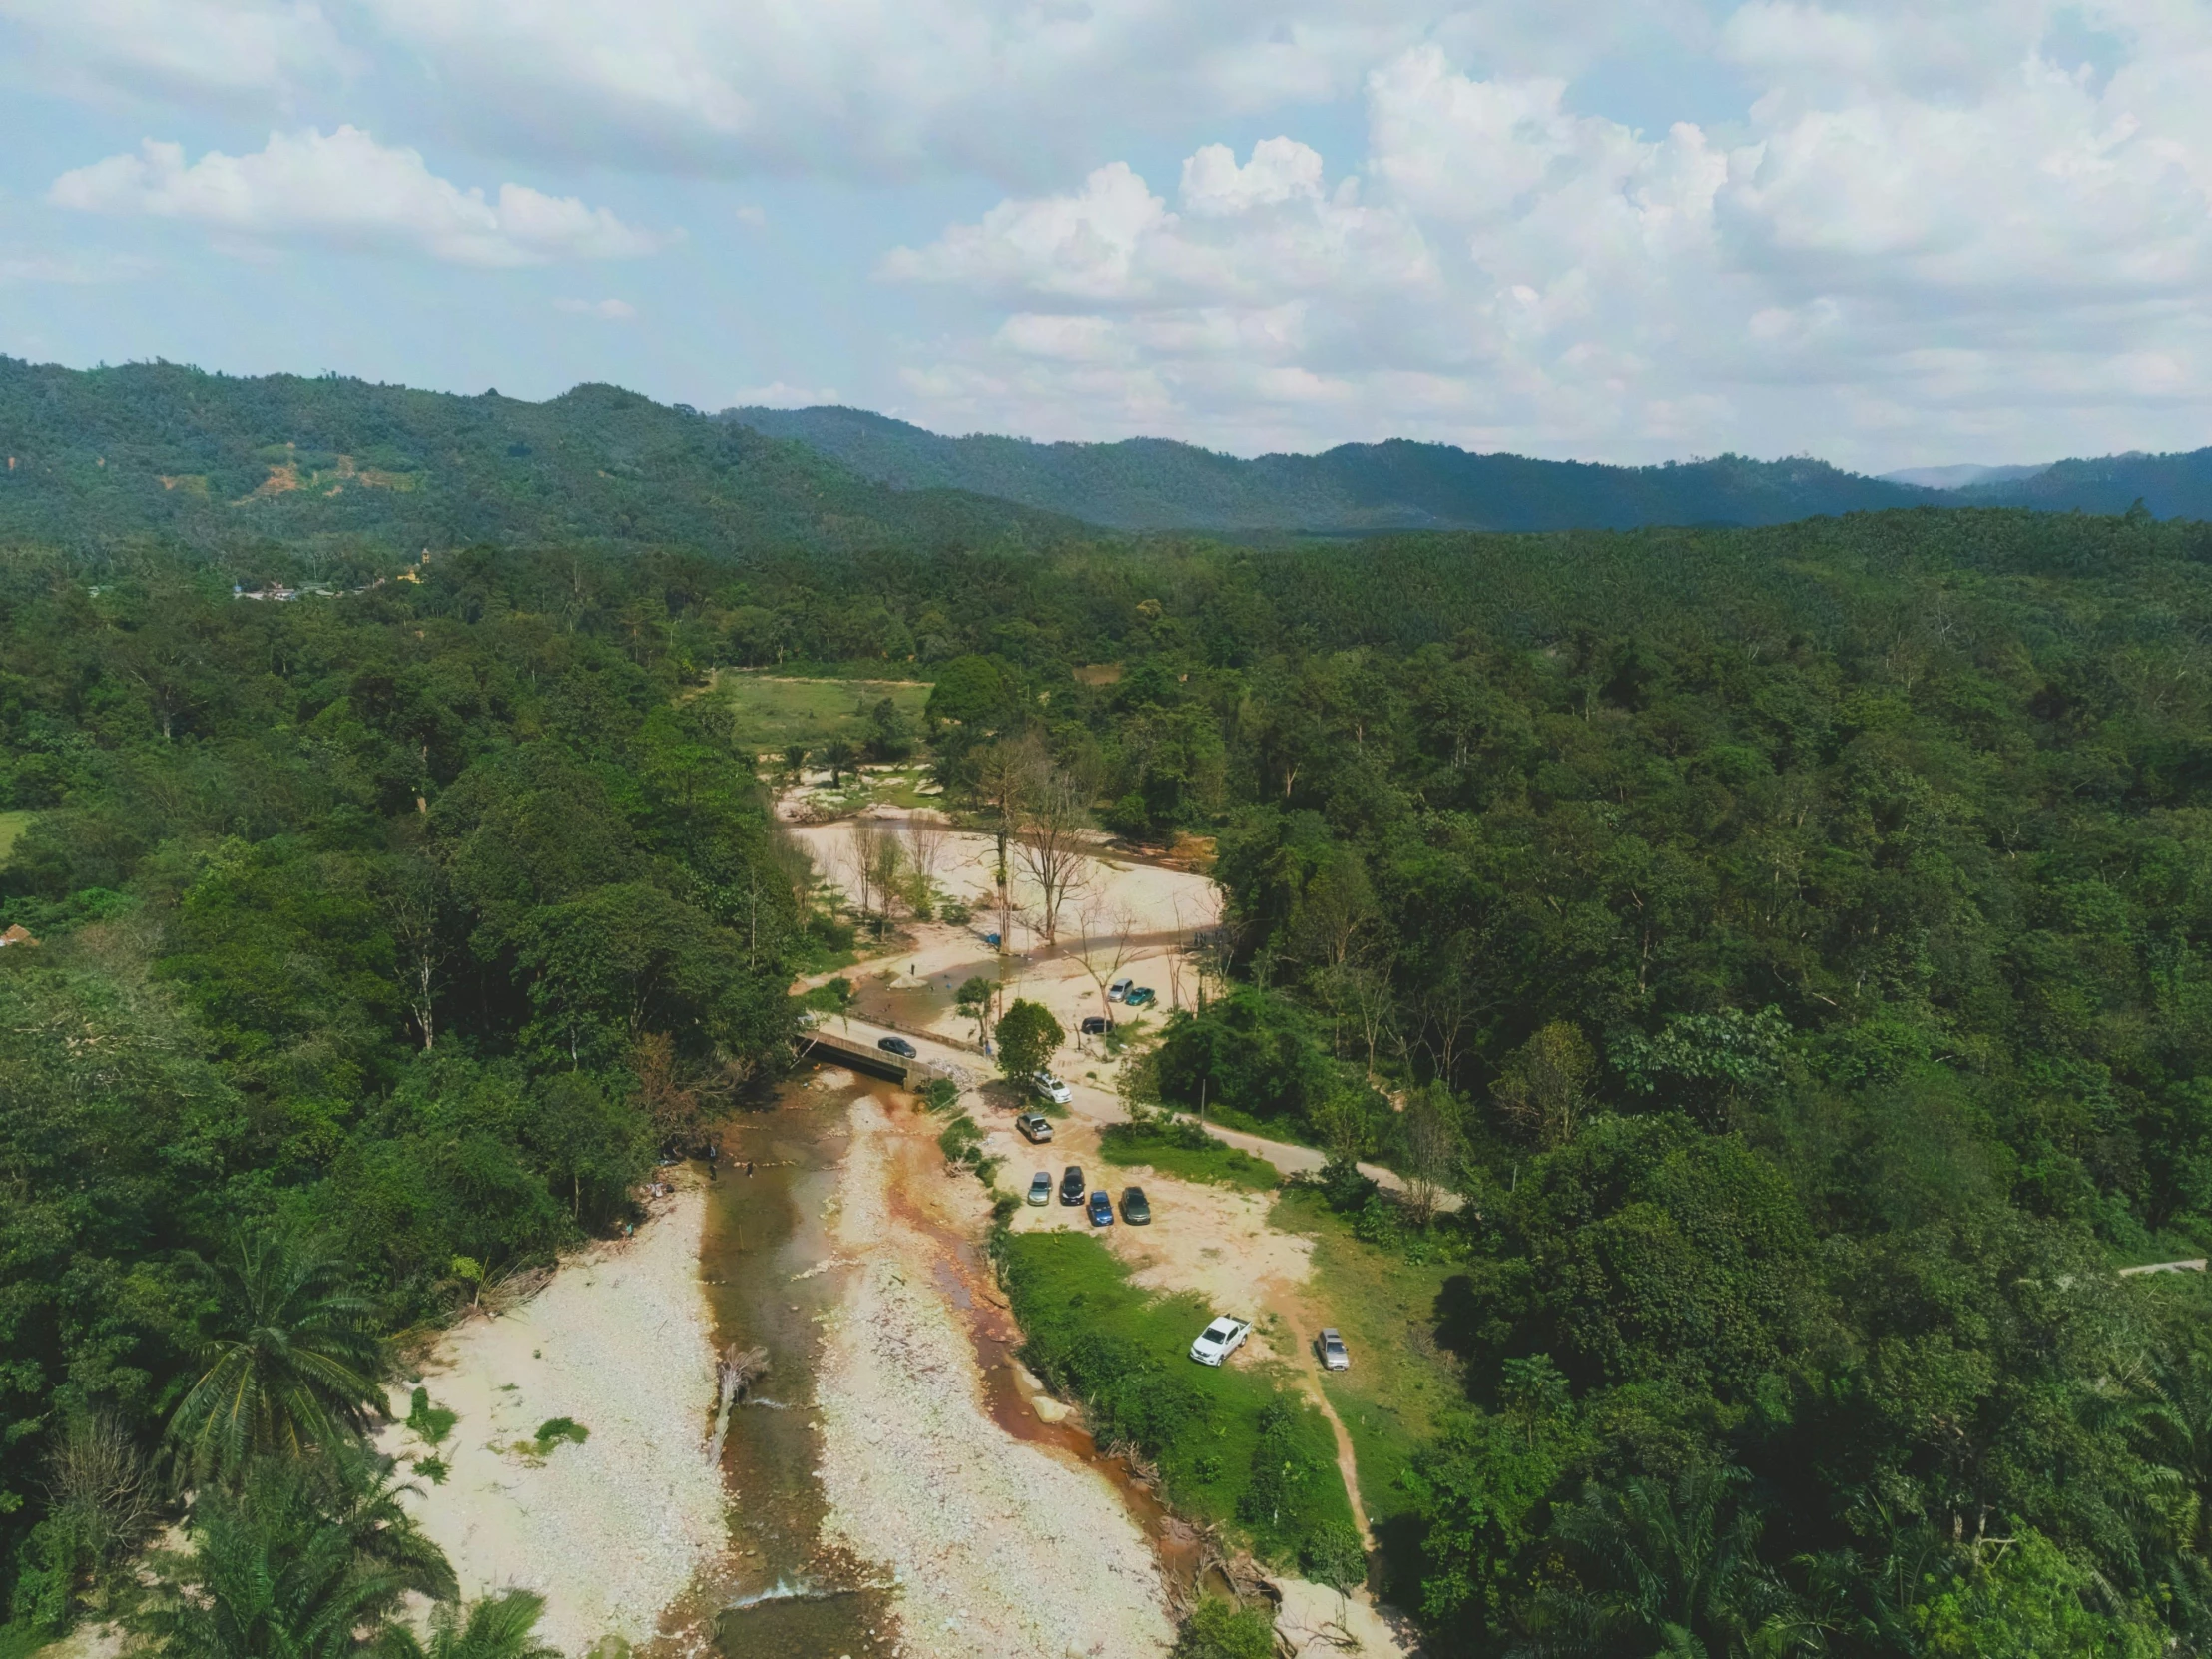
(338, 469)
(384, 942)
(1795, 943)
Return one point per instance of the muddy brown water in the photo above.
(782, 1593)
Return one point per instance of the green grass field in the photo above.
(1160, 1147)
(1401, 1382)
(767, 712)
(1126, 1354)
(12, 825)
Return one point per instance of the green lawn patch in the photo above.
(1233, 1444)
(12, 825)
(1180, 1148)
(769, 711)
(1401, 1382)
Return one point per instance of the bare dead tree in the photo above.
(1432, 1144)
(1176, 963)
(99, 1490)
(890, 858)
(1104, 947)
(865, 838)
(1374, 1005)
(1050, 844)
(1005, 774)
(1447, 1008)
(926, 842)
(410, 893)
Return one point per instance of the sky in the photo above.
(1889, 233)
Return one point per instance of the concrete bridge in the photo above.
(860, 1050)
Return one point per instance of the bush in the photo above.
(1218, 1630)
(555, 1430)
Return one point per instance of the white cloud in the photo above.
(1948, 219)
(1011, 89)
(1281, 170)
(223, 51)
(607, 311)
(345, 190)
(750, 214)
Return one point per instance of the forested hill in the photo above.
(1156, 484)
(2169, 486)
(212, 462)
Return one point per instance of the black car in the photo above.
(1094, 1024)
(897, 1045)
(1134, 1210)
(1071, 1185)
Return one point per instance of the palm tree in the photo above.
(301, 1560)
(288, 1359)
(497, 1627)
(1670, 1572)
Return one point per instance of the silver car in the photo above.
(1040, 1190)
(1333, 1354)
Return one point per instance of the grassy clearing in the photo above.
(1234, 1445)
(1401, 1382)
(769, 711)
(1182, 1148)
(12, 825)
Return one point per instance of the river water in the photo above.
(767, 1263)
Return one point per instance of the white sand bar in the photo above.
(611, 1532)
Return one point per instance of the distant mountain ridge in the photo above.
(1161, 484)
(97, 456)
(2169, 486)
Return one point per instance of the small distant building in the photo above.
(16, 934)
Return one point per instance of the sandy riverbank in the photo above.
(996, 1545)
(612, 1530)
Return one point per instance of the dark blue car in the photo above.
(1102, 1209)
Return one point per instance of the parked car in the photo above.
(1051, 1088)
(1072, 1185)
(1118, 989)
(1134, 1209)
(1333, 1354)
(1102, 1209)
(1220, 1339)
(1140, 996)
(897, 1045)
(1040, 1187)
(1093, 1025)
(1035, 1125)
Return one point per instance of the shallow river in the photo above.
(783, 1595)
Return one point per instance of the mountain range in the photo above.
(1159, 484)
(96, 458)
(104, 455)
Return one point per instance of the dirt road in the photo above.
(1098, 1105)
